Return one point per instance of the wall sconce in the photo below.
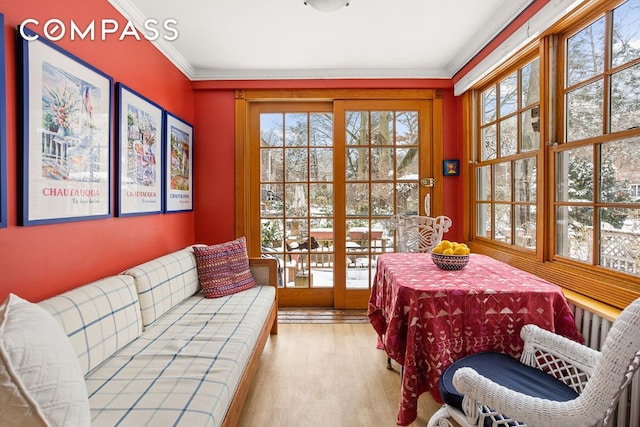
(327, 5)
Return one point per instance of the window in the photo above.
(597, 218)
(555, 164)
(506, 171)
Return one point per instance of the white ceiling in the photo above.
(273, 39)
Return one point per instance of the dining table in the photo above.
(426, 318)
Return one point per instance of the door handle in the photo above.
(427, 182)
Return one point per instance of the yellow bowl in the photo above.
(450, 262)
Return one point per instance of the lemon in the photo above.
(460, 250)
(445, 244)
(437, 250)
(447, 251)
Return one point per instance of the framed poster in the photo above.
(3, 132)
(178, 140)
(66, 136)
(139, 155)
(450, 167)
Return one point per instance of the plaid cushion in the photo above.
(164, 282)
(99, 318)
(224, 269)
(183, 370)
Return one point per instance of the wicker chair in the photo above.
(417, 233)
(585, 393)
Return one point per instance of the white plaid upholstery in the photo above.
(100, 318)
(184, 369)
(164, 282)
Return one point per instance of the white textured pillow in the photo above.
(41, 382)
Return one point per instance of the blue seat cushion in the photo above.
(506, 371)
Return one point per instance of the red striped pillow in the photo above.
(223, 269)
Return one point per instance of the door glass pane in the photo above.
(296, 201)
(321, 129)
(271, 201)
(271, 231)
(272, 164)
(321, 199)
(357, 127)
(296, 164)
(407, 128)
(407, 196)
(407, 163)
(381, 127)
(357, 199)
(382, 164)
(321, 164)
(271, 126)
(382, 199)
(357, 164)
(296, 129)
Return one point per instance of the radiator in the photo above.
(594, 330)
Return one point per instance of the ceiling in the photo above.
(278, 39)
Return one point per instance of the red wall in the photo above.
(215, 155)
(39, 261)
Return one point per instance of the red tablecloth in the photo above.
(428, 318)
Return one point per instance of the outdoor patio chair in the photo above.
(557, 382)
(417, 233)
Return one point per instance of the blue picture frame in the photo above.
(66, 135)
(178, 152)
(450, 167)
(3, 130)
(139, 153)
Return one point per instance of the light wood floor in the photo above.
(326, 375)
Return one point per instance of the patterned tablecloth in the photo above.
(428, 318)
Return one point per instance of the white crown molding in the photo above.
(317, 74)
(537, 24)
(133, 14)
(491, 32)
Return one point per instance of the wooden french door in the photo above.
(324, 179)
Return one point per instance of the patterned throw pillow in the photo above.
(41, 381)
(223, 269)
